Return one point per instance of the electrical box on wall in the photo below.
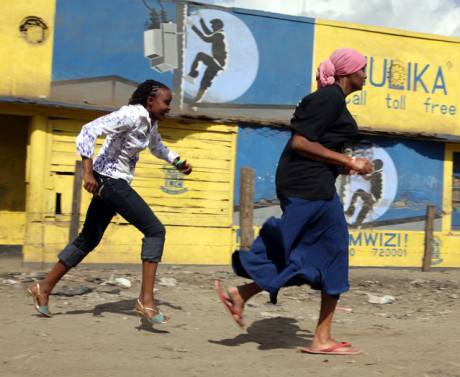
(160, 47)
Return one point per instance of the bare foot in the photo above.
(232, 301)
(331, 347)
(237, 305)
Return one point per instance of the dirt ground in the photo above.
(97, 333)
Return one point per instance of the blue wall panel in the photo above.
(100, 38)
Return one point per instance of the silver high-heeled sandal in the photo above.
(159, 318)
(43, 310)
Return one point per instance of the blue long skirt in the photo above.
(307, 245)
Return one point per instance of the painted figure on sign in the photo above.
(215, 63)
(369, 199)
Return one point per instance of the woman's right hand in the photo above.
(360, 165)
(89, 183)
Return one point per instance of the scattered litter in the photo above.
(72, 291)
(269, 315)
(38, 274)
(96, 280)
(296, 299)
(123, 282)
(120, 282)
(359, 292)
(8, 282)
(109, 290)
(344, 309)
(418, 282)
(168, 282)
(111, 281)
(387, 299)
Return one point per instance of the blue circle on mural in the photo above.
(221, 59)
(368, 197)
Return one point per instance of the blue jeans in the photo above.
(116, 196)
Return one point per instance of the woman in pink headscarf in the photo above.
(309, 243)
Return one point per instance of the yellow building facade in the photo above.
(412, 90)
(27, 30)
(196, 210)
(37, 161)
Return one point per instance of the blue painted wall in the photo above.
(414, 180)
(419, 166)
(100, 37)
(264, 59)
(285, 59)
(260, 148)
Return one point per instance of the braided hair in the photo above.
(149, 88)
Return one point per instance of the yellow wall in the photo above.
(450, 149)
(420, 94)
(36, 183)
(416, 85)
(13, 145)
(385, 247)
(401, 248)
(197, 209)
(394, 248)
(25, 67)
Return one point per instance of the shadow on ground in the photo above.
(271, 333)
(126, 308)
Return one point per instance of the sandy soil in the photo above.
(97, 334)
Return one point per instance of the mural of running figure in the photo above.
(215, 63)
(369, 199)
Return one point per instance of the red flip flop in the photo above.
(333, 350)
(229, 304)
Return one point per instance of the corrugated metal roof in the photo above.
(241, 120)
(55, 104)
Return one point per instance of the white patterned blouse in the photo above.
(128, 131)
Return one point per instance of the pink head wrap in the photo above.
(343, 62)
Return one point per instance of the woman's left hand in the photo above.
(360, 165)
(183, 166)
(186, 168)
(349, 171)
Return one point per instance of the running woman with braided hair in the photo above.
(128, 131)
